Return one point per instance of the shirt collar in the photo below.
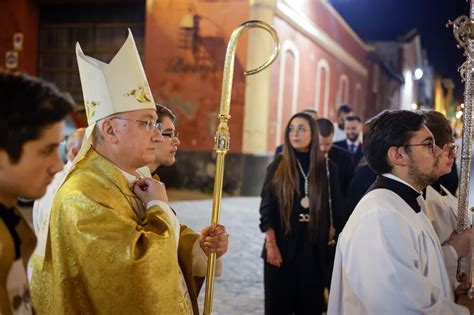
(398, 179)
(349, 142)
(400, 187)
(141, 172)
(131, 179)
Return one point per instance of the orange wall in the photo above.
(20, 16)
(195, 96)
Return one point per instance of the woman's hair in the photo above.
(287, 185)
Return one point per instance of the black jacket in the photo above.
(290, 243)
(356, 156)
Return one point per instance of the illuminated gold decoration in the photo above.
(463, 32)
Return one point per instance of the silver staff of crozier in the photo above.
(464, 34)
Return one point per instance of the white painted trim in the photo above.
(357, 95)
(322, 64)
(343, 90)
(307, 27)
(287, 47)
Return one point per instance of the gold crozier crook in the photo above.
(222, 137)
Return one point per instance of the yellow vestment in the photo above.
(106, 254)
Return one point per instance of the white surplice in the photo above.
(43, 205)
(389, 261)
(442, 211)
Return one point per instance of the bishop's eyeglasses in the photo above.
(150, 125)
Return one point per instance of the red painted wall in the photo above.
(173, 76)
(20, 16)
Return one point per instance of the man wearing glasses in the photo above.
(190, 242)
(109, 245)
(442, 204)
(389, 259)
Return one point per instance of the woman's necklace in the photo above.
(304, 202)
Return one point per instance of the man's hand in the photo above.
(463, 288)
(148, 189)
(214, 240)
(461, 242)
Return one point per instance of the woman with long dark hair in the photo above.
(300, 222)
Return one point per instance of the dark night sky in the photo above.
(387, 19)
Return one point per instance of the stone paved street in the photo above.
(240, 288)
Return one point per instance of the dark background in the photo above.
(388, 19)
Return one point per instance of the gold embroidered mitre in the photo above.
(119, 86)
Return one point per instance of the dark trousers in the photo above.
(296, 287)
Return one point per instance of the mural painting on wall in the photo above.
(187, 107)
(197, 56)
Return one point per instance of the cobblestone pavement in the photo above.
(239, 290)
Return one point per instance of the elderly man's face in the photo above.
(136, 141)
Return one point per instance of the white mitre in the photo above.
(116, 87)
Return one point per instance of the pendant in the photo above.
(305, 202)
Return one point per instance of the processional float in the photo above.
(463, 29)
(222, 136)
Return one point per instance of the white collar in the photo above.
(131, 179)
(398, 179)
(139, 173)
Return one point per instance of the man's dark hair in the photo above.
(28, 105)
(353, 118)
(326, 128)
(439, 127)
(388, 129)
(163, 111)
(344, 109)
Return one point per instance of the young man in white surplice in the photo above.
(442, 204)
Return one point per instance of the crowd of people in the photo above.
(106, 241)
(358, 218)
(387, 198)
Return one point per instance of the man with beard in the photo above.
(342, 112)
(388, 258)
(353, 129)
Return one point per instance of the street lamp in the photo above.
(418, 74)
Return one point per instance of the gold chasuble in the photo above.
(105, 253)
